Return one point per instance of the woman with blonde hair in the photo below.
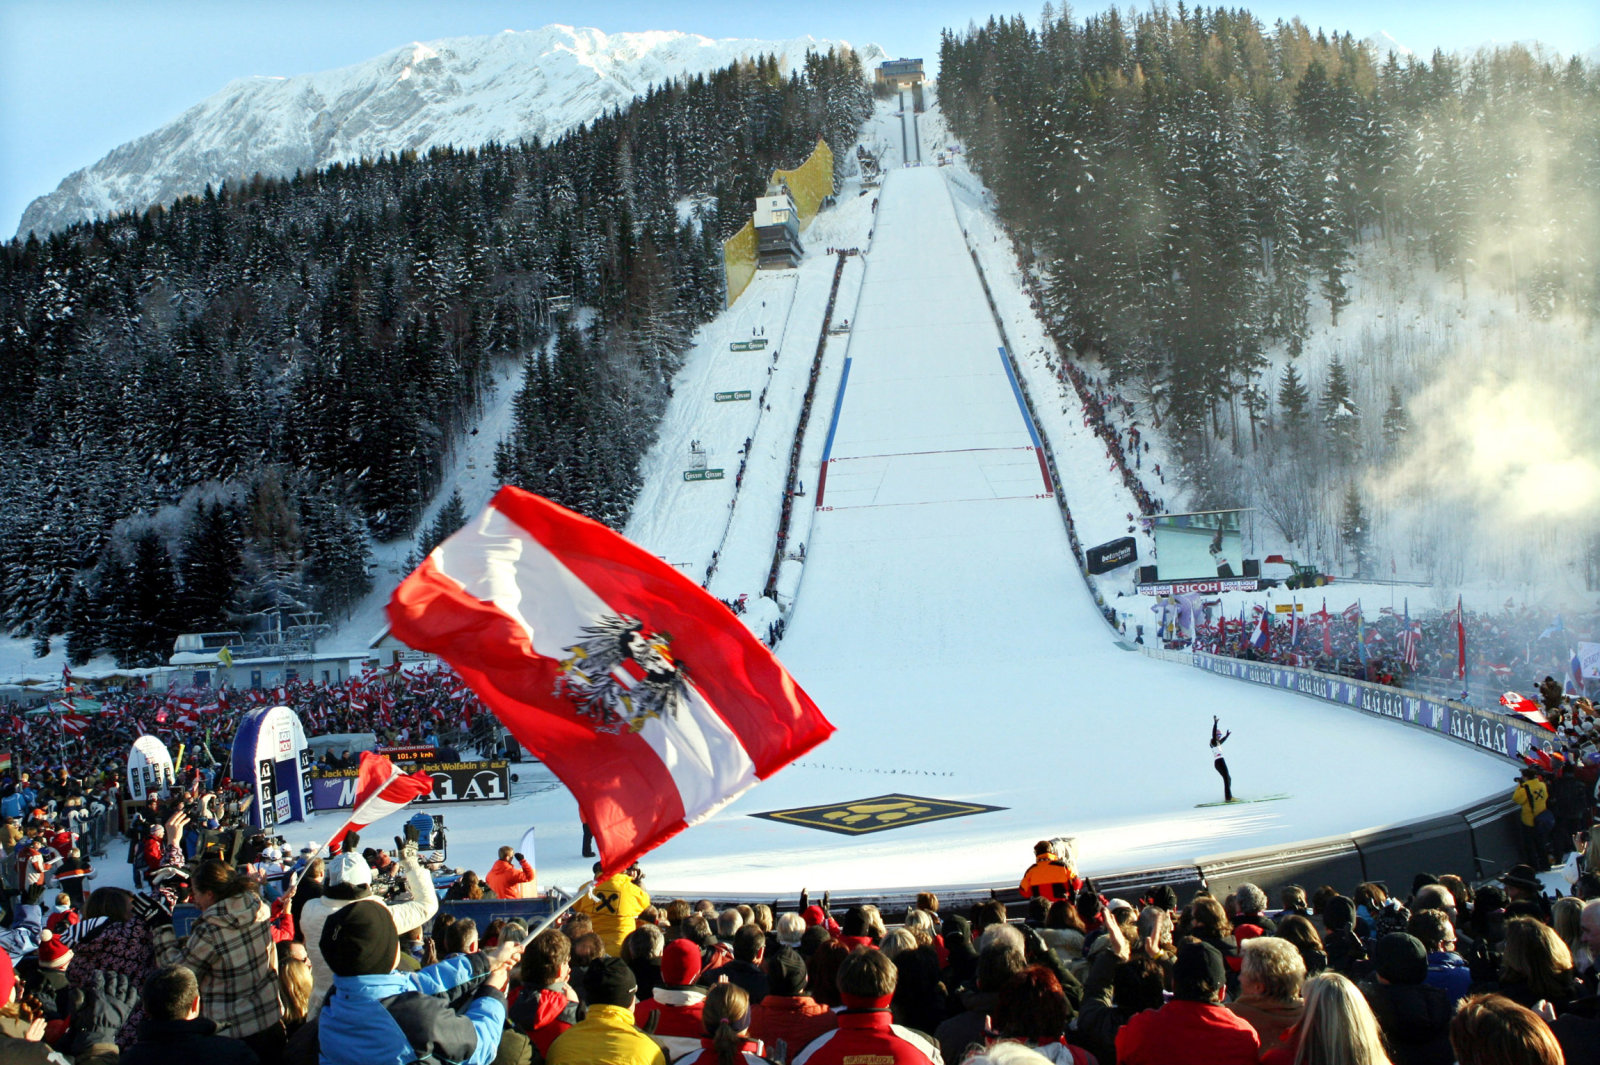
(726, 1020)
(1337, 1028)
(1493, 1030)
(897, 942)
(1564, 919)
(294, 984)
(1536, 966)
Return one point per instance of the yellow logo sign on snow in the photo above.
(876, 814)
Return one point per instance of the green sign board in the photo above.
(702, 475)
(748, 345)
(725, 397)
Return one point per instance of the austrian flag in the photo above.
(381, 789)
(643, 694)
(1526, 709)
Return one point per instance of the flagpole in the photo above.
(582, 892)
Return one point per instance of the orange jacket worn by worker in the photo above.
(1049, 877)
(509, 882)
(615, 909)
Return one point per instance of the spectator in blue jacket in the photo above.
(1447, 970)
(377, 1014)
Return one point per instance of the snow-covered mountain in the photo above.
(465, 91)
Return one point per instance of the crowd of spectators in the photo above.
(354, 962)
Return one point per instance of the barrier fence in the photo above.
(1498, 734)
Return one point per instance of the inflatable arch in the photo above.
(270, 752)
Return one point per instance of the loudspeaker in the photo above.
(1224, 570)
(1147, 574)
(1252, 567)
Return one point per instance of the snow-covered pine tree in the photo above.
(1341, 418)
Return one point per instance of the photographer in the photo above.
(510, 881)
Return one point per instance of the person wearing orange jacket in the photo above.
(1049, 876)
(509, 882)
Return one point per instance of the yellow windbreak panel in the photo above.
(739, 260)
(809, 183)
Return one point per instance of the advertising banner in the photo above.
(1496, 733)
(453, 782)
(1108, 556)
(1202, 587)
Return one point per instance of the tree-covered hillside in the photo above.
(210, 408)
(1193, 188)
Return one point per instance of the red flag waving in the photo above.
(1526, 709)
(653, 704)
(381, 789)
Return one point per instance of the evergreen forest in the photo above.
(1191, 189)
(213, 408)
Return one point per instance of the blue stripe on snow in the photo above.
(838, 403)
(1016, 390)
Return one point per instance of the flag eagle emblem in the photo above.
(620, 675)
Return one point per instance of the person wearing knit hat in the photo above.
(676, 1004)
(866, 1030)
(349, 878)
(378, 1014)
(1413, 1016)
(788, 1012)
(608, 1034)
(53, 953)
(1194, 1028)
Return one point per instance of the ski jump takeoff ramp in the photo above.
(942, 625)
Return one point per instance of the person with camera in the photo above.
(510, 881)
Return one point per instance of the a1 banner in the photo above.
(453, 782)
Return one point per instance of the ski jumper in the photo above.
(1218, 738)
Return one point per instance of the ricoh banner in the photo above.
(453, 782)
(1497, 733)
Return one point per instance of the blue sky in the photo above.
(79, 77)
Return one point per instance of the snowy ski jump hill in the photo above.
(933, 606)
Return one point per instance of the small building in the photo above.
(900, 73)
(777, 225)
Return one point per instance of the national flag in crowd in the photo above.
(1327, 628)
(1461, 641)
(1261, 639)
(1412, 637)
(641, 692)
(74, 724)
(1555, 627)
(1361, 635)
(1294, 623)
(1526, 709)
(381, 789)
(1575, 672)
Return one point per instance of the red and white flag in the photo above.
(642, 693)
(1526, 709)
(381, 789)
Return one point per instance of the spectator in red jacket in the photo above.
(867, 1031)
(1194, 1028)
(677, 1003)
(512, 880)
(788, 1014)
(547, 1005)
